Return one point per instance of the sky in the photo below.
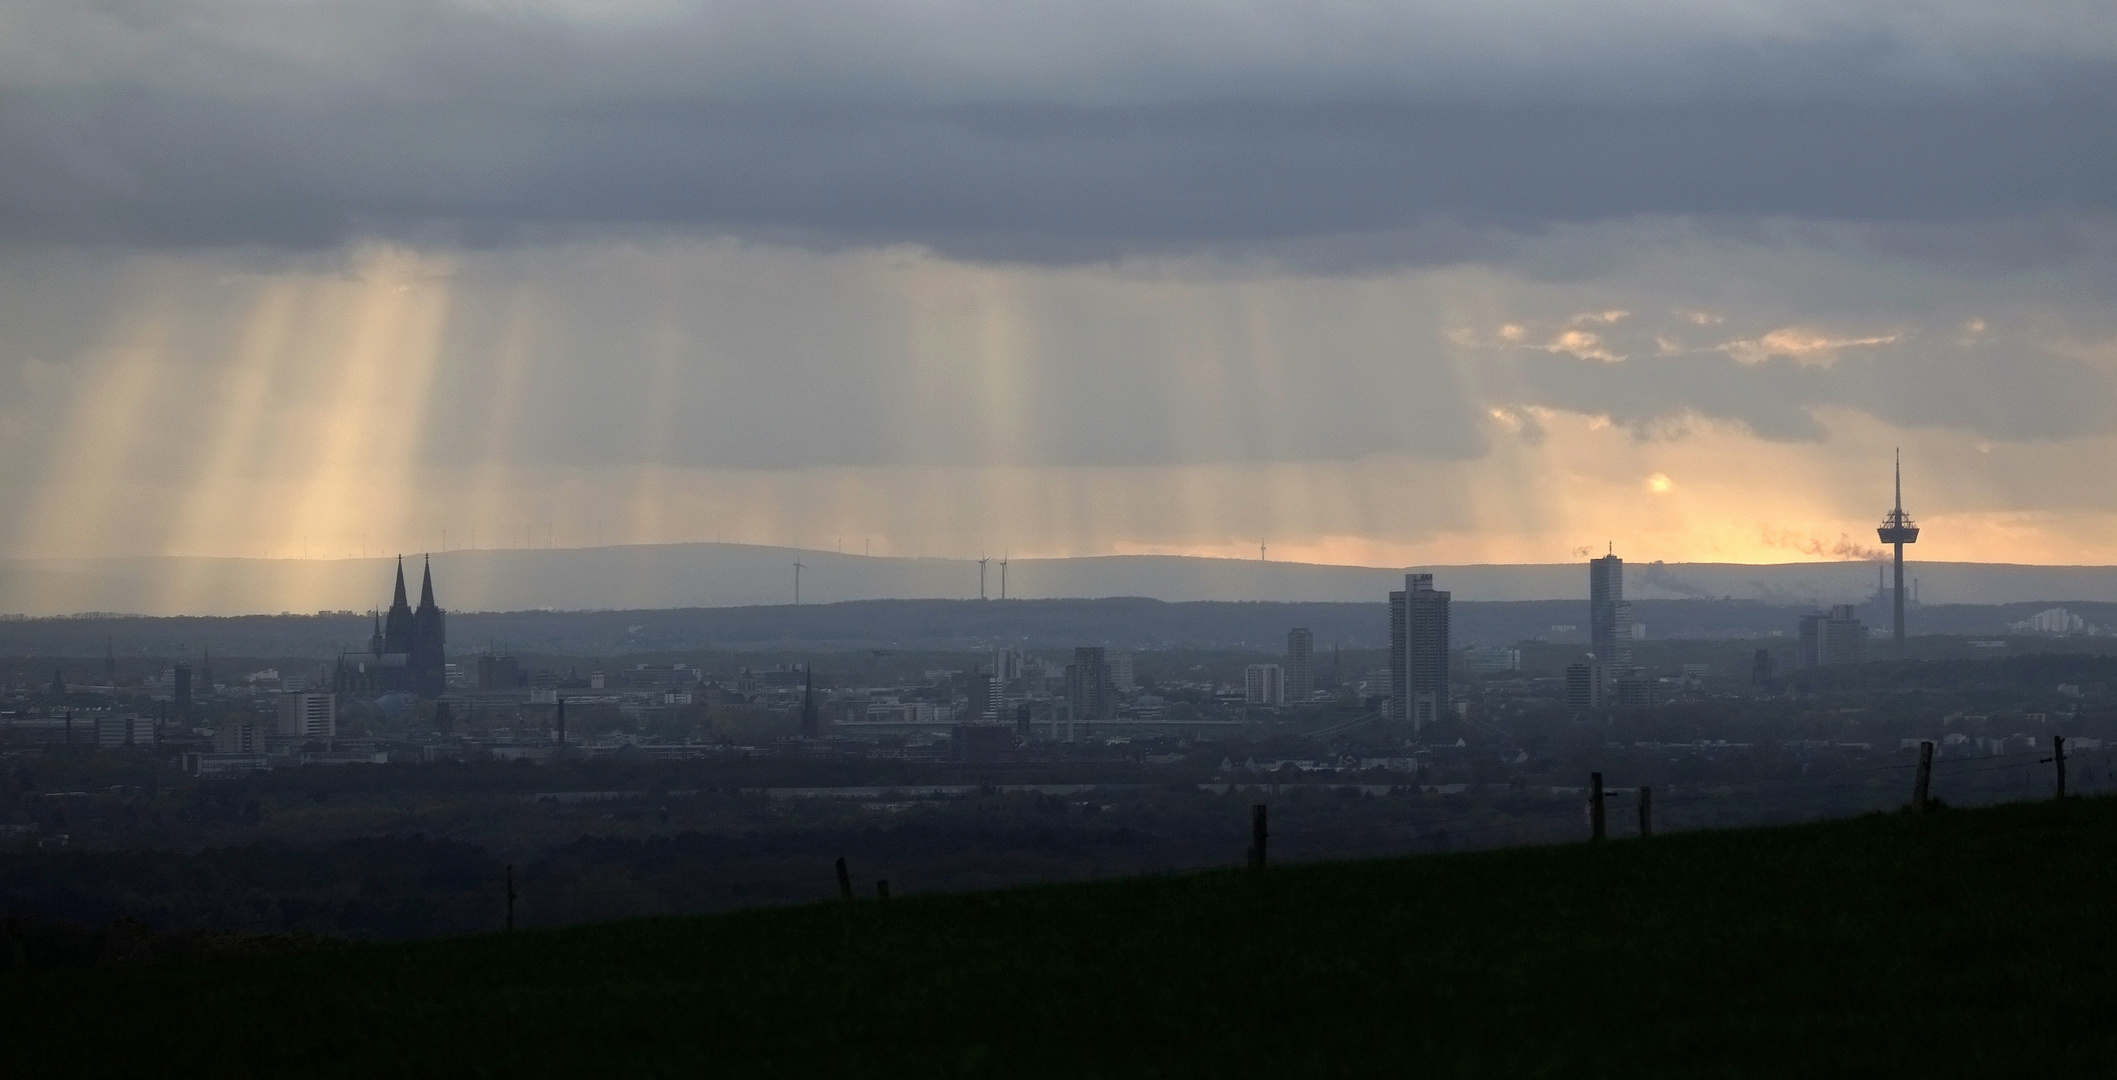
(1376, 283)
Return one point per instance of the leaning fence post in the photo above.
(1924, 782)
(1257, 836)
(2058, 756)
(1595, 818)
(1646, 811)
(510, 898)
(845, 881)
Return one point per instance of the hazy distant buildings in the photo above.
(1833, 637)
(113, 732)
(1418, 652)
(1492, 659)
(1300, 665)
(240, 737)
(1263, 684)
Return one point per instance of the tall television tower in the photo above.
(1897, 530)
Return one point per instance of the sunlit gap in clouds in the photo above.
(236, 437)
(898, 403)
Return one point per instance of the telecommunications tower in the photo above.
(1897, 530)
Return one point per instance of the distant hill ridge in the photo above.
(735, 575)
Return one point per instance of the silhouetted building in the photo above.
(240, 736)
(1121, 672)
(1263, 684)
(1638, 691)
(180, 688)
(1609, 617)
(1834, 637)
(985, 699)
(1584, 686)
(1088, 689)
(1300, 665)
(1418, 651)
(811, 719)
(500, 673)
(408, 651)
(113, 732)
(309, 715)
(1762, 669)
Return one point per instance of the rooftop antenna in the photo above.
(982, 560)
(798, 568)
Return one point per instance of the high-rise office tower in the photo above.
(1088, 688)
(1897, 530)
(1263, 684)
(1834, 637)
(1120, 668)
(1609, 617)
(311, 715)
(1300, 665)
(1418, 652)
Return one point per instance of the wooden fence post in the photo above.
(1924, 782)
(2058, 757)
(510, 898)
(845, 881)
(1646, 811)
(1257, 837)
(1595, 818)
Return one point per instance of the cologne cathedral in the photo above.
(407, 653)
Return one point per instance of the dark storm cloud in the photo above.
(1128, 133)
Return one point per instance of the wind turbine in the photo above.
(982, 560)
(1003, 577)
(1260, 551)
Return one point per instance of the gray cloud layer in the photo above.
(1066, 131)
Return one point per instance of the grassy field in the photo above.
(1965, 943)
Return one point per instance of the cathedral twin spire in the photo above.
(421, 636)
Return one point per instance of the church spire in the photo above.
(426, 588)
(399, 600)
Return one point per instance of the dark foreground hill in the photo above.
(1957, 944)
